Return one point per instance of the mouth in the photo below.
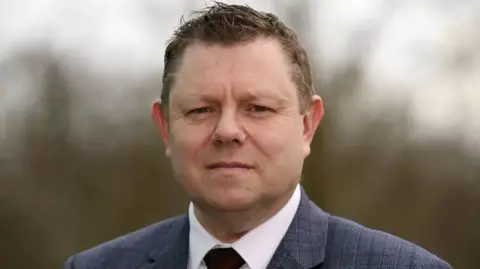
(230, 165)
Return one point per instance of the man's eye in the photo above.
(201, 110)
(258, 108)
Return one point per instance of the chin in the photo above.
(232, 203)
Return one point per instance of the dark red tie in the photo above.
(223, 258)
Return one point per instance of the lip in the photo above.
(230, 165)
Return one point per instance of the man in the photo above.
(237, 115)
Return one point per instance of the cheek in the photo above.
(188, 141)
(277, 138)
(184, 151)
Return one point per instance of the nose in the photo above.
(228, 130)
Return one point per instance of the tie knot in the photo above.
(223, 258)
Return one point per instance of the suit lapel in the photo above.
(174, 256)
(303, 246)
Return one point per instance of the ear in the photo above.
(161, 121)
(311, 120)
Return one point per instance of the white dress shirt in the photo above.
(256, 247)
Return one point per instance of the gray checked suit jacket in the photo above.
(314, 239)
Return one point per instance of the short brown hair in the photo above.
(230, 24)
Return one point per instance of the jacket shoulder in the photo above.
(129, 249)
(352, 244)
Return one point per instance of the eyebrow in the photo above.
(252, 95)
(197, 97)
(248, 95)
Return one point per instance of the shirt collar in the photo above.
(256, 247)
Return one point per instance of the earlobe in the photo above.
(161, 122)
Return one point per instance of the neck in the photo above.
(229, 226)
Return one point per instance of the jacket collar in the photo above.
(175, 254)
(304, 244)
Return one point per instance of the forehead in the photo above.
(259, 66)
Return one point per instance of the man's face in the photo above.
(234, 133)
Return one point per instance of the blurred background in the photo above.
(81, 162)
